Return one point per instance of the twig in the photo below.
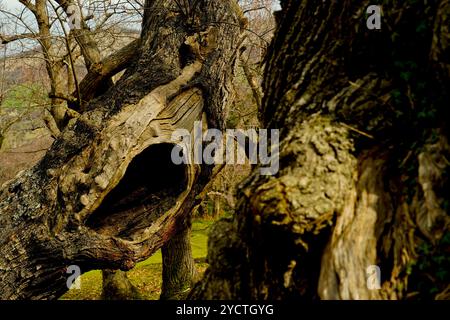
(33, 151)
(358, 131)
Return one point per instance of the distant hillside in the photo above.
(24, 83)
(29, 66)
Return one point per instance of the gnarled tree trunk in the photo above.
(364, 161)
(107, 195)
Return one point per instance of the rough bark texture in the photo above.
(179, 272)
(364, 163)
(106, 194)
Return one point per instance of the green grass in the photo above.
(146, 276)
(199, 240)
(25, 95)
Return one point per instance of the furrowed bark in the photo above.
(97, 81)
(363, 161)
(107, 195)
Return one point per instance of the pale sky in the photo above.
(11, 4)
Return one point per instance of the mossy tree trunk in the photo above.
(364, 161)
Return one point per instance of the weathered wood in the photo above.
(60, 212)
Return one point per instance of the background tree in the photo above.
(66, 32)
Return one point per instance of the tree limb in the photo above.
(107, 68)
(5, 39)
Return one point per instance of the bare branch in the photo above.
(5, 39)
(104, 70)
(29, 5)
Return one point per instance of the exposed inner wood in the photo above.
(150, 187)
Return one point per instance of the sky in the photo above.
(11, 4)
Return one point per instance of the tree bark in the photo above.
(363, 161)
(107, 195)
(179, 272)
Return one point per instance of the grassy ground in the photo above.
(146, 276)
(25, 95)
